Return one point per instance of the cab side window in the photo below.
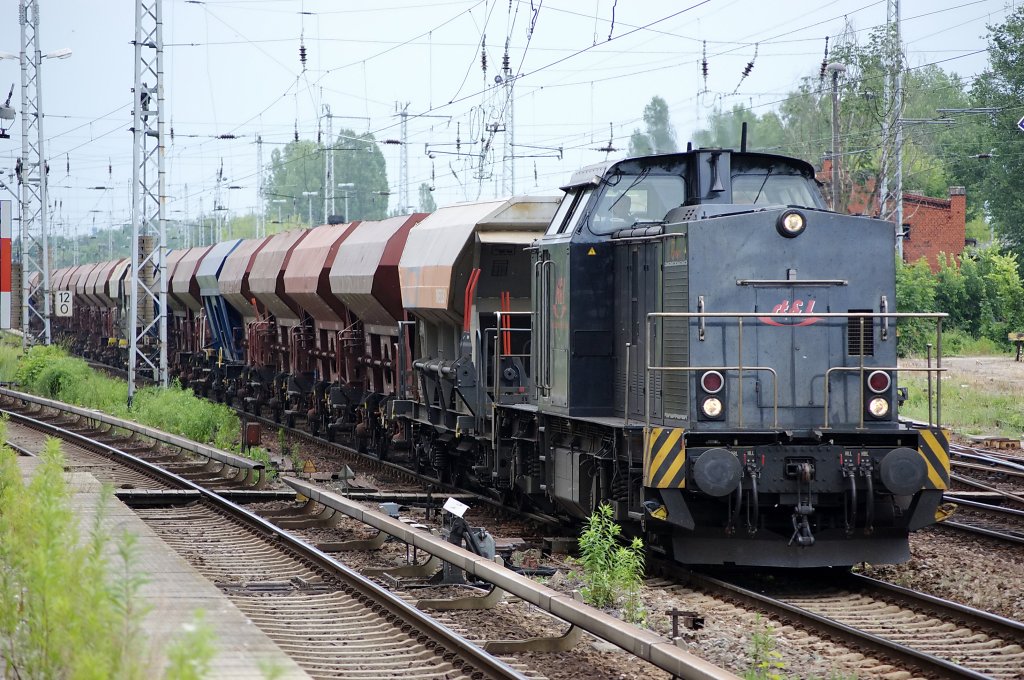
(569, 211)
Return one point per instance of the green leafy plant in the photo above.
(611, 571)
(189, 655)
(766, 661)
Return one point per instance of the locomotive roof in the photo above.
(590, 174)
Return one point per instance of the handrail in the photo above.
(654, 317)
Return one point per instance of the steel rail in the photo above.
(644, 644)
(255, 468)
(473, 654)
(824, 625)
(397, 468)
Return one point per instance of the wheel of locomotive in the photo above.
(314, 426)
(290, 420)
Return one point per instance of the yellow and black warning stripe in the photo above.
(933, 445)
(664, 459)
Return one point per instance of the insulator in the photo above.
(750, 64)
(704, 61)
(824, 61)
(318, 136)
(483, 61)
(302, 54)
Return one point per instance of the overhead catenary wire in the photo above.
(526, 89)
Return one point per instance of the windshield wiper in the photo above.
(766, 176)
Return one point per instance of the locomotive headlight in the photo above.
(712, 407)
(791, 223)
(878, 407)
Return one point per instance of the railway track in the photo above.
(331, 620)
(1003, 524)
(292, 592)
(937, 638)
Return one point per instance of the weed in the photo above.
(179, 411)
(611, 571)
(766, 661)
(35, 360)
(189, 656)
(58, 602)
(261, 455)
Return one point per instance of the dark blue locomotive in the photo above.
(711, 351)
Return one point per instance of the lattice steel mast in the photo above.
(35, 255)
(147, 316)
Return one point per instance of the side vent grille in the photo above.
(675, 340)
(860, 343)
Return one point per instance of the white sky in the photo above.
(232, 66)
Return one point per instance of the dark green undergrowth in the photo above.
(50, 372)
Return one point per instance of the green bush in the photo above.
(983, 296)
(37, 358)
(180, 411)
(915, 292)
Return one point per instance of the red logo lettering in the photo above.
(800, 309)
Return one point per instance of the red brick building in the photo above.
(934, 225)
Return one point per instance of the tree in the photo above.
(297, 171)
(802, 126)
(427, 203)
(994, 178)
(659, 137)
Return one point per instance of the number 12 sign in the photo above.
(62, 303)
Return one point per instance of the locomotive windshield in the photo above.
(637, 198)
(760, 179)
(767, 188)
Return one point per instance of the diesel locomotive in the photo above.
(693, 338)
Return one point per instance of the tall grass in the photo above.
(964, 408)
(59, 603)
(10, 355)
(178, 410)
(71, 604)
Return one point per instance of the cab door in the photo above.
(551, 287)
